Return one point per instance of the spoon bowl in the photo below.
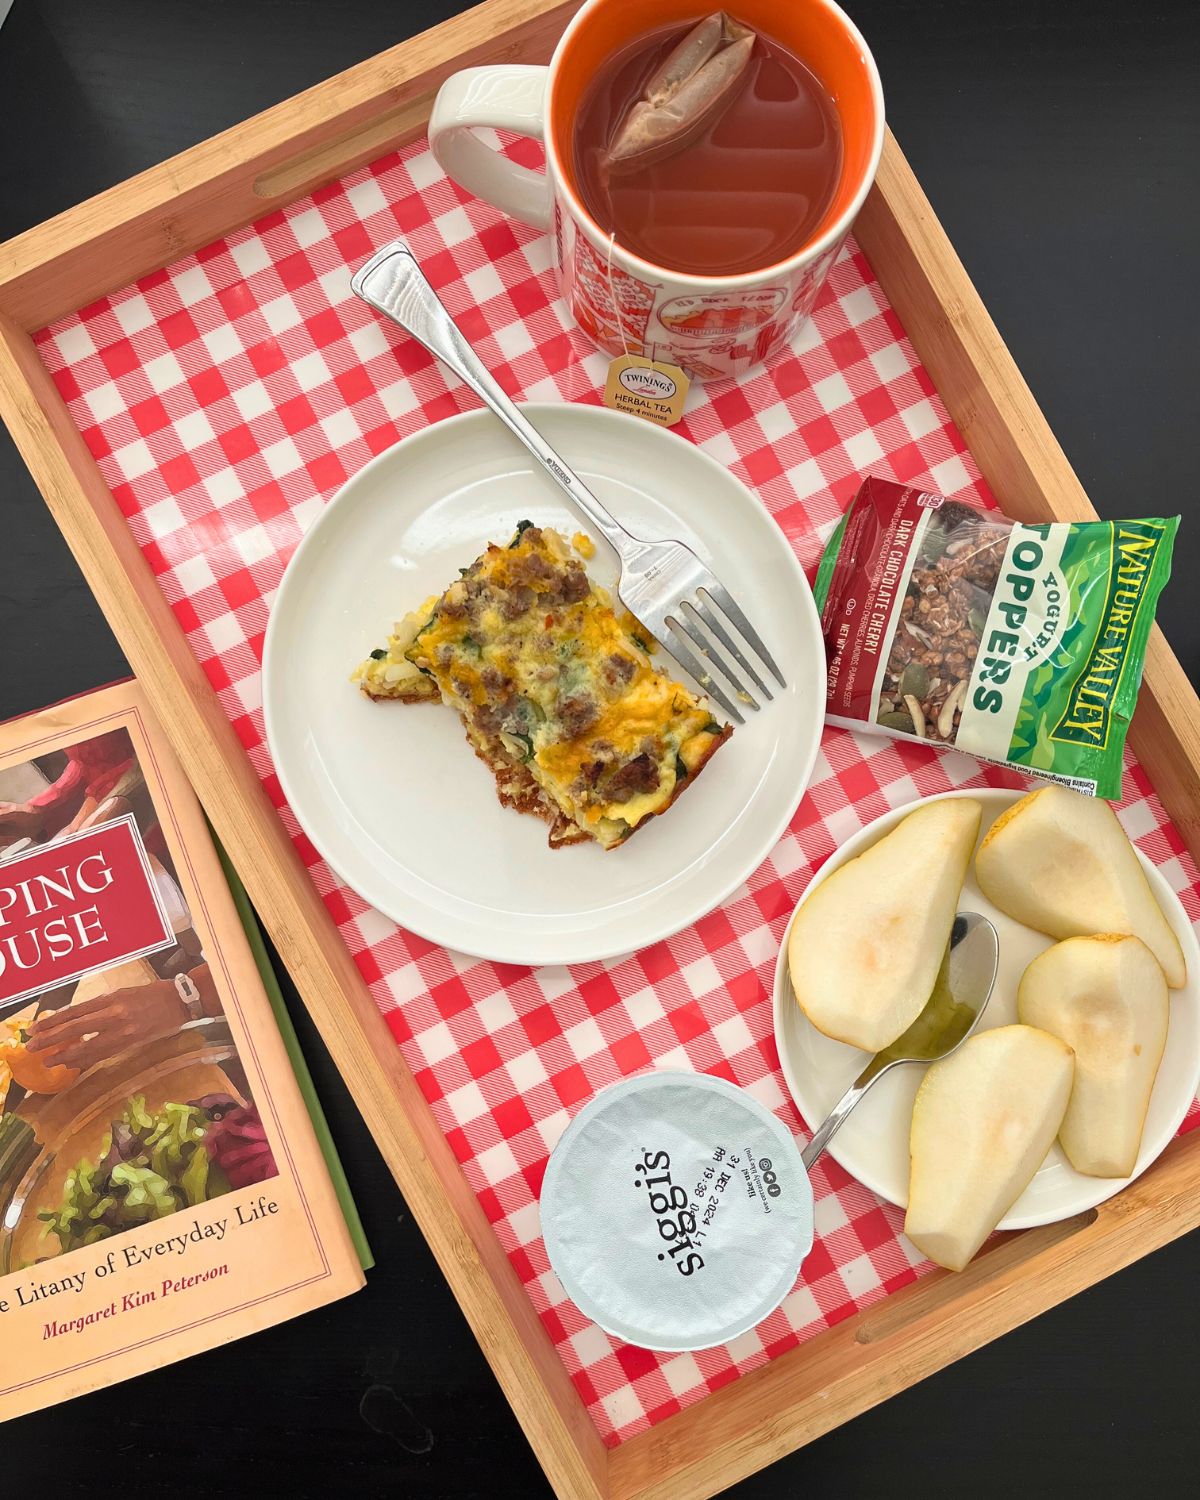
(960, 996)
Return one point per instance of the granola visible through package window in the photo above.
(942, 619)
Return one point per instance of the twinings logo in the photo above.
(641, 382)
(76, 905)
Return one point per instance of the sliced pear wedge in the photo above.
(866, 946)
(1106, 997)
(1060, 862)
(982, 1123)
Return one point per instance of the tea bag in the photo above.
(698, 79)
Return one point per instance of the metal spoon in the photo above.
(960, 997)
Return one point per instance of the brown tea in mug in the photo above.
(745, 189)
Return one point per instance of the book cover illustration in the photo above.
(158, 1172)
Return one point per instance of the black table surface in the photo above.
(1057, 141)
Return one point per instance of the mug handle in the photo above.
(511, 97)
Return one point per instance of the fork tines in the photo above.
(702, 622)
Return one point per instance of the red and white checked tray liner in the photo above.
(228, 397)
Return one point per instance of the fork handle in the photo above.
(393, 284)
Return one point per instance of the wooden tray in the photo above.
(267, 163)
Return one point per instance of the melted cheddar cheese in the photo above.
(550, 680)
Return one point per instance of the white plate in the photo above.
(873, 1143)
(391, 794)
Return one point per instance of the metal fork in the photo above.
(663, 584)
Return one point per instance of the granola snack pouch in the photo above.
(1022, 645)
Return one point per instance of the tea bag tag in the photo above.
(648, 388)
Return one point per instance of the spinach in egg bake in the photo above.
(558, 694)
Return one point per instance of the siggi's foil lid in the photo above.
(676, 1211)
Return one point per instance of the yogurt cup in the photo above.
(676, 1211)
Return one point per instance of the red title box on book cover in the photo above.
(81, 903)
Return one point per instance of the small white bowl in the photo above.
(873, 1143)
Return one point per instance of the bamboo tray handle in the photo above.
(299, 174)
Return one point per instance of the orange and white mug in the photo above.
(713, 326)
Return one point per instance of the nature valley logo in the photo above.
(1087, 716)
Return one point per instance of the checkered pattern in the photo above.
(226, 399)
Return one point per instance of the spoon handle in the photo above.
(832, 1122)
(972, 959)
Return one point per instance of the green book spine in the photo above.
(292, 1042)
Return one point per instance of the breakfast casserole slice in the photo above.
(558, 695)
